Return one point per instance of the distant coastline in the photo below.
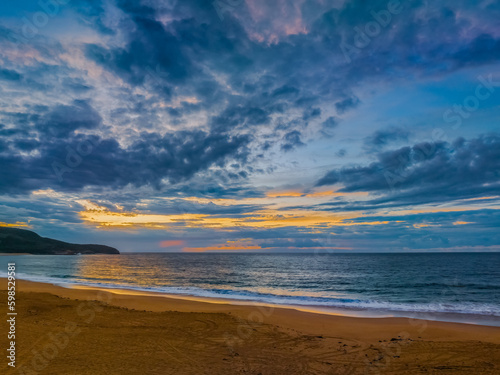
(15, 241)
(4, 254)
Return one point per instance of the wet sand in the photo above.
(94, 331)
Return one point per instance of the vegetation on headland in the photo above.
(13, 240)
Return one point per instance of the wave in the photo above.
(352, 304)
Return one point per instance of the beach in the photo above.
(248, 187)
(97, 331)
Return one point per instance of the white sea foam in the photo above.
(353, 304)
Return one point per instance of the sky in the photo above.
(252, 125)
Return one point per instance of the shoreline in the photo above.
(368, 313)
(274, 314)
(97, 331)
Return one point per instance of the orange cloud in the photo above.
(17, 224)
(246, 244)
(282, 194)
(318, 194)
(331, 193)
(424, 225)
(482, 198)
(458, 222)
(241, 245)
(172, 243)
(219, 248)
(322, 194)
(104, 218)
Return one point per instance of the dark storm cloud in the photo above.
(426, 172)
(63, 119)
(82, 161)
(167, 56)
(152, 47)
(241, 117)
(177, 56)
(210, 186)
(179, 206)
(242, 80)
(420, 39)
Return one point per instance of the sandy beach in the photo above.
(92, 331)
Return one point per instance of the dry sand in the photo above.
(91, 331)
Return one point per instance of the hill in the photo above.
(13, 240)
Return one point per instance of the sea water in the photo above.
(462, 287)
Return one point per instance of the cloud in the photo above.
(172, 243)
(330, 123)
(63, 120)
(17, 224)
(382, 138)
(65, 160)
(426, 171)
(346, 105)
(291, 141)
(138, 102)
(341, 153)
(10, 75)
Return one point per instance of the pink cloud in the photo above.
(172, 243)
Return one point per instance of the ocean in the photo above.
(461, 287)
